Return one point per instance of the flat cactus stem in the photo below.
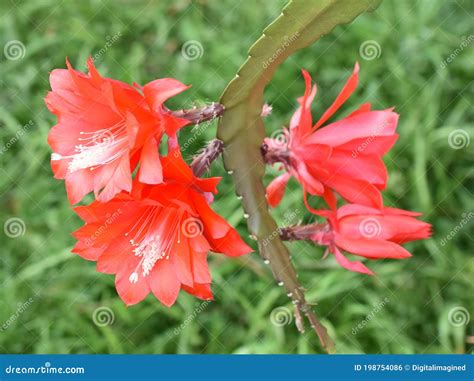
(301, 23)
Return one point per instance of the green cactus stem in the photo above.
(301, 23)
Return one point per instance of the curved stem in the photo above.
(301, 23)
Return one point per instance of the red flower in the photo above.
(157, 238)
(345, 156)
(105, 127)
(369, 232)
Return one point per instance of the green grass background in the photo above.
(426, 174)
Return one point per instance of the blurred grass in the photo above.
(427, 175)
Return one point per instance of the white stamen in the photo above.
(152, 246)
(97, 148)
(133, 278)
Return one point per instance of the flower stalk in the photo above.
(203, 161)
(199, 115)
(318, 233)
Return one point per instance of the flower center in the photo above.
(154, 234)
(97, 148)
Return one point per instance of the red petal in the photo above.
(369, 168)
(355, 209)
(174, 167)
(301, 121)
(159, 90)
(84, 250)
(164, 283)
(366, 125)
(114, 178)
(214, 225)
(372, 145)
(181, 259)
(201, 268)
(150, 171)
(330, 198)
(309, 182)
(78, 184)
(202, 291)
(355, 266)
(345, 93)
(116, 257)
(173, 124)
(276, 189)
(353, 190)
(371, 248)
(231, 245)
(362, 108)
(131, 293)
